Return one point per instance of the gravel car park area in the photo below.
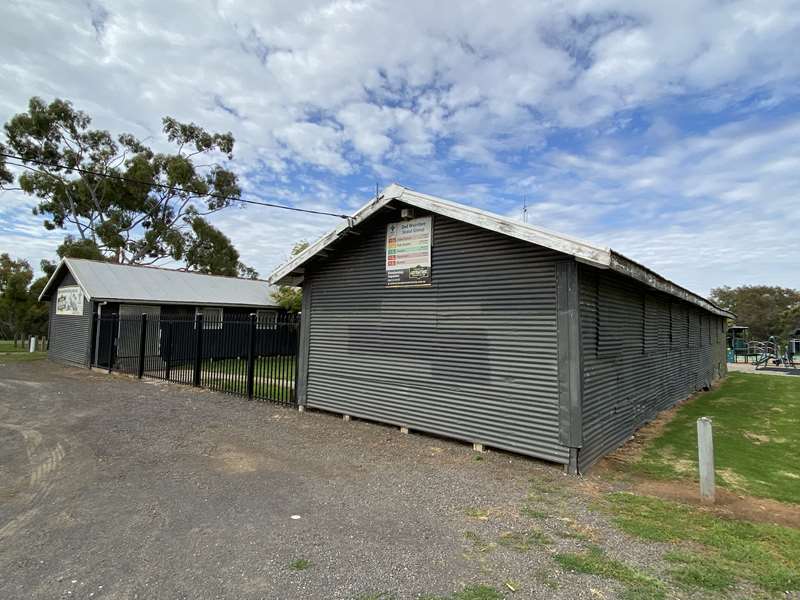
(112, 487)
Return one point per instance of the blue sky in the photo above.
(668, 131)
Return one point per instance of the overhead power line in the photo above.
(166, 187)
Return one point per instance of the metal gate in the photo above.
(251, 357)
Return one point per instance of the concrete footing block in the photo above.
(345, 417)
(301, 408)
(478, 448)
(404, 430)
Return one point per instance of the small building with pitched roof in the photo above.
(82, 292)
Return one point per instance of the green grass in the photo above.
(272, 367)
(17, 357)
(756, 436)
(472, 592)
(638, 586)
(10, 354)
(698, 570)
(8, 346)
(301, 564)
(719, 550)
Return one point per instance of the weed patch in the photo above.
(478, 543)
(301, 564)
(473, 592)
(638, 586)
(523, 541)
(534, 513)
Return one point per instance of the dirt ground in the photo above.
(769, 370)
(112, 487)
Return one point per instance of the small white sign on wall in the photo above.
(69, 300)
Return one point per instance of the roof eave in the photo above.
(626, 266)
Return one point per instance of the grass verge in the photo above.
(720, 550)
(16, 357)
(755, 437)
(638, 586)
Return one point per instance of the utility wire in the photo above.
(165, 187)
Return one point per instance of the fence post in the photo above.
(168, 350)
(198, 350)
(705, 455)
(251, 356)
(142, 342)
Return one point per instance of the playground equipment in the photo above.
(771, 353)
(737, 338)
(794, 343)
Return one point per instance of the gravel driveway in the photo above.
(112, 487)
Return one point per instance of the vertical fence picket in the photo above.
(251, 358)
(236, 354)
(198, 350)
(142, 345)
(167, 348)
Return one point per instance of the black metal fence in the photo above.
(255, 357)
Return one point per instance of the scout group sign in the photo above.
(408, 252)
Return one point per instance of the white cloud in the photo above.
(482, 102)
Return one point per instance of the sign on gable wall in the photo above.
(408, 252)
(69, 300)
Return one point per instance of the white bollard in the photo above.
(705, 456)
(32, 345)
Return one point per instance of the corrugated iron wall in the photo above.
(471, 357)
(69, 335)
(642, 351)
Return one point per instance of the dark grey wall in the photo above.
(472, 357)
(70, 335)
(642, 352)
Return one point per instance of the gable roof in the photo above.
(137, 284)
(291, 273)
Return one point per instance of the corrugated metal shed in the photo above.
(473, 356)
(129, 283)
(522, 339)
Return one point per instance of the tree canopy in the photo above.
(144, 206)
(20, 311)
(766, 310)
(288, 297)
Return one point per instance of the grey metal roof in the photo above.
(291, 273)
(129, 283)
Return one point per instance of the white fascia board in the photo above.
(280, 275)
(64, 264)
